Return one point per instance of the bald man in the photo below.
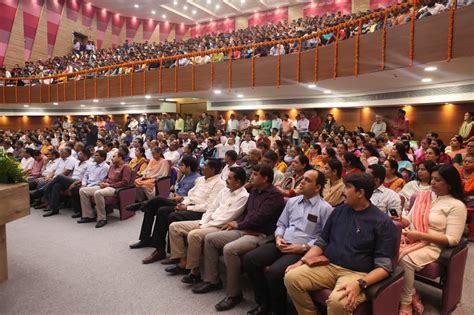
(253, 157)
(300, 223)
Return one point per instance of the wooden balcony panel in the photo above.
(203, 77)
(241, 73)
(346, 57)
(370, 52)
(265, 71)
(431, 39)
(307, 66)
(185, 79)
(287, 68)
(463, 45)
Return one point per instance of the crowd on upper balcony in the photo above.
(85, 57)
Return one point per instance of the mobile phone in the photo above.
(393, 212)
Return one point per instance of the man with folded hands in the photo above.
(258, 220)
(354, 251)
(228, 206)
(300, 223)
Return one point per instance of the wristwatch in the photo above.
(362, 284)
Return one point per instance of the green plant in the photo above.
(9, 171)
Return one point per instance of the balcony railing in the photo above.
(87, 84)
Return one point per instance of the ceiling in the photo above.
(456, 73)
(190, 11)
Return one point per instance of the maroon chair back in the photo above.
(163, 186)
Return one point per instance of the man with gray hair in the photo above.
(379, 127)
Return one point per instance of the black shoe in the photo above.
(35, 194)
(50, 213)
(101, 223)
(139, 244)
(261, 309)
(42, 205)
(176, 270)
(134, 206)
(76, 215)
(35, 203)
(86, 220)
(206, 287)
(191, 279)
(228, 302)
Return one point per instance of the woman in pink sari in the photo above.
(157, 167)
(436, 221)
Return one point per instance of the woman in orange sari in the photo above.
(393, 180)
(157, 167)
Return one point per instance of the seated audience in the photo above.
(300, 223)
(179, 208)
(230, 159)
(271, 158)
(421, 182)
(289, 186)
(118, 176)
(157, 168)
(264, 206)
(383, 198)
(354, 251)
(351, 164)
(422, 243)
(253, 158)
(393, 179)
(138, 164)
(226, 207)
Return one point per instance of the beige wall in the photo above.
(295, 12)
(360, 5)
(241, 22)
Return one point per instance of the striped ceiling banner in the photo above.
(73, 7)
(31, 14)
(54, 10)
(7, 16)
(117, 24)
(180, 30)
(165, 29)
(132, 25)
(88, 11)
(149, 27)
(103, 19)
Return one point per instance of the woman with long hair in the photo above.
(139, 163)
(421, 182)
(393, 179)
(289, 185)
(351, 164)
(157, 168)
(399, 154)
(436, 221)
(370, 155)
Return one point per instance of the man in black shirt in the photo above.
(359, 241)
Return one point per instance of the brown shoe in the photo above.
(154, 257)
(169, 261)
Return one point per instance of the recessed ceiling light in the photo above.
(240, 95)
(164, 16)
(153, 12)
(217, 7)
(312, 86)
(217, 92)
(137, 6)
(175, 2)
(208, 1)
(82, 105)
(194, 11)
(122, 103)
(426, 80)
(242, 1)
(327, 91)
(185, 7)
(26, 105)
(55, 103)
(431, 69)
(147, 96)
(96, 101)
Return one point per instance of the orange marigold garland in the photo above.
(230, 69)
(451, 30)
(160, 74)
(384, 36)
(356, 55)
(336, 48)
(278, 67)
(412, 33)
(253, 66)
(316, 58)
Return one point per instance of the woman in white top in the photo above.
(370, 155)
(422, 182)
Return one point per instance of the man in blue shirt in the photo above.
(359, 241)
(300, 223)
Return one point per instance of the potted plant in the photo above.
(10, 172)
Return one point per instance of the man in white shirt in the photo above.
(276, 122)
(172, 154)
(244, 123)
(270, 158)
(228, 206)
(27, 160)
(48, 171)
(232, 124)
(166, 211)
(379, 127)
(255, 126)
(273, 137)
(247, 145)
(383, 198)
(230, 157)
(302, 125)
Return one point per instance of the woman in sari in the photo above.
(289, 185)
(393, 179)
(436, 221)
(157, 167)
(139, 163)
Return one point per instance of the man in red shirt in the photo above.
(314, 122)
(400, 124)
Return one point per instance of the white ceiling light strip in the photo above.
(203, 8)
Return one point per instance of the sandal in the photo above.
(418, 306)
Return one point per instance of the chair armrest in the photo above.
(374, 290)
(268, 239)
(162, 178)
(449, 252)
(118, 190)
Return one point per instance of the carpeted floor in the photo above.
(57, 266)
